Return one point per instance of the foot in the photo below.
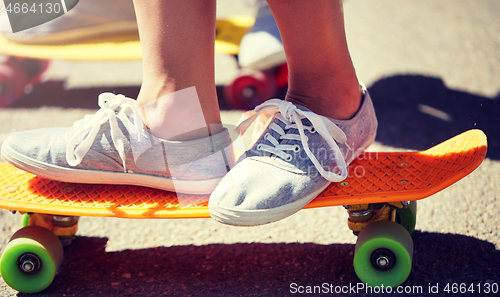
(261, 48)
(113, 146)
(89, 19)
(297, 156)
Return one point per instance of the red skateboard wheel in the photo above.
(16, 74)
(250, 90)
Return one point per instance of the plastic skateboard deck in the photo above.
(384, 248)
(375, 177)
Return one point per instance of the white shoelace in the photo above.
(109, 103)
(292, 117)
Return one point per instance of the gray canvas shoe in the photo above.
(296, 157)
(114, 147)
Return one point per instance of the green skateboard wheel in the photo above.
(31, 259)
(407, 217)
(383, 255)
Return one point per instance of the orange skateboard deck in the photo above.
(384, 248)
(375, 177)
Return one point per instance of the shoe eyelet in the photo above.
(259, 147)
(267, 135)
(296, 148)
(313, 130)
(289, 158)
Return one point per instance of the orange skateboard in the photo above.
(375, 194)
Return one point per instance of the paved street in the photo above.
(432, 68)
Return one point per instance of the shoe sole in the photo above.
(239, 217)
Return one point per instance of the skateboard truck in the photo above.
(64, 227)
(360, 215)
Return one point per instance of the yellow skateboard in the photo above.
(23, 64)
(375, 194)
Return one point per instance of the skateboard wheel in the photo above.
(383, 255)
(12, 82)
(31, 259)
(407, 217)
(250, 90)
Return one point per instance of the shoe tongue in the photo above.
(308, 123)
(302, 108)
(305, 122)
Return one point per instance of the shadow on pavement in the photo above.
(258, 269)
(417, 112)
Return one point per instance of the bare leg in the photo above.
(321, 74)
(177, 40)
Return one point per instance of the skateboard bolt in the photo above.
(29, 263)
(382, 261)
(28, 266)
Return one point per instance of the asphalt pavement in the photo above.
(432, 68)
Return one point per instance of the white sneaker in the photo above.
(261, 48)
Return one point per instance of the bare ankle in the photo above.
(181, 115)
